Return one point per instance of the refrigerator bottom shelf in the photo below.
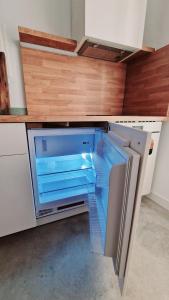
(53, 182)
(66, 193)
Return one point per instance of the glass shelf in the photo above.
(58, 164)
(66, 193)
(53, 182)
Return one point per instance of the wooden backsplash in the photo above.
(65, 85)
(4, 94)
(147, 85)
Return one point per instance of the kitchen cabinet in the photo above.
(16, 197)
(118, 22)
(13, 139)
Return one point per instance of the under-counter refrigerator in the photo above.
(97, 168)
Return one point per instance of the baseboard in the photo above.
(159, 200)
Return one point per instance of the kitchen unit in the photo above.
(75, 167)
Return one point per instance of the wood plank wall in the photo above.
(65, 85)
(147, 85)
(4, 94)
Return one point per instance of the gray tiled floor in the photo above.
(54, 262)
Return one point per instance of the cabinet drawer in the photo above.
(13, 139)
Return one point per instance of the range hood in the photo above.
(104, 50)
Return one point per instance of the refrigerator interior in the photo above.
(62, 168)
(69, 168)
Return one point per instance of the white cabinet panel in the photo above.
(116, 21)
(16, 198)
(13, 139)
(151, 164)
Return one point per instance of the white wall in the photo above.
(157, 35)
(160, 187)
(157, 23)
(52, 16)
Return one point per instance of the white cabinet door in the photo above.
(13, 139)
(16, 198)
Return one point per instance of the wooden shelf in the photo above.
(31, 36)
(138, 54)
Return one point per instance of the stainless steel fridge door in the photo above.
(114, 219)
